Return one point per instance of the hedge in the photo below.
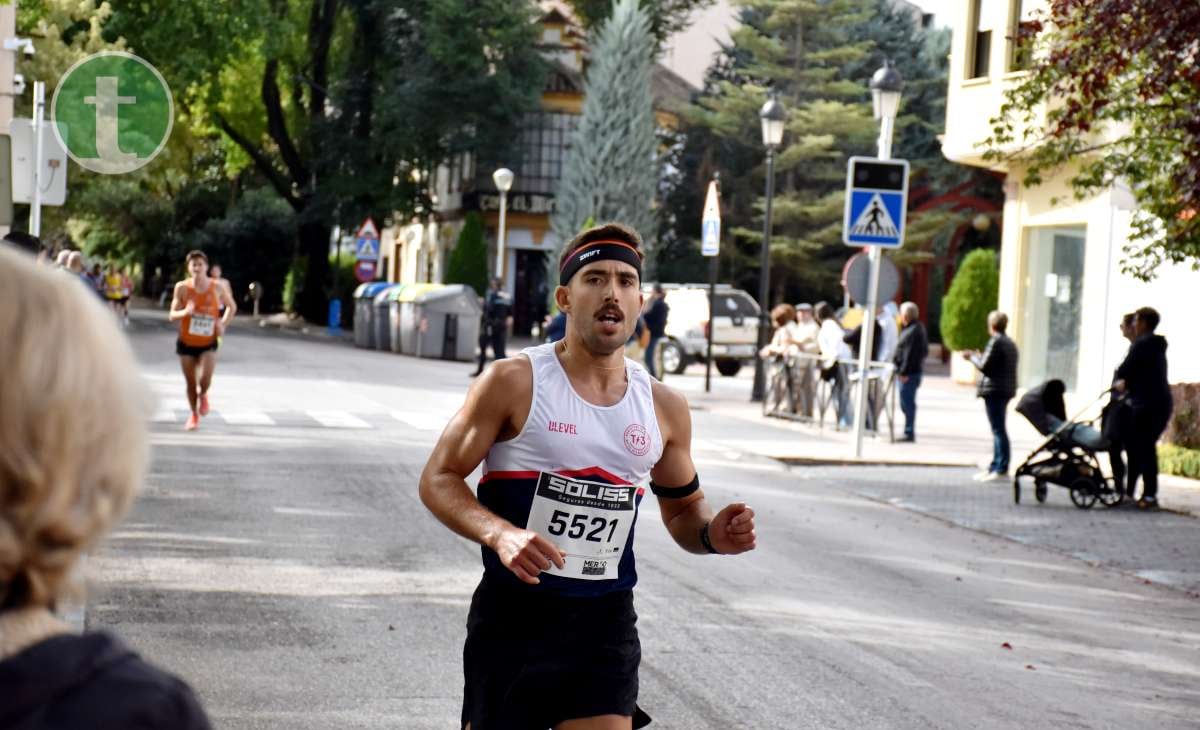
(1179, 461)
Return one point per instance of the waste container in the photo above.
(400, 316)
(447, 323)
(379, 317)
(364, 296)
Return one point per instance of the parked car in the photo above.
(735, 327)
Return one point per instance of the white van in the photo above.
(735, 327)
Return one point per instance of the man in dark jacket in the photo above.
(1143, 379)
(911, 350)
(997, 386)
(493, 328)
(654, 314)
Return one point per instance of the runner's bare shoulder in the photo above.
(505, 390)
(671, 407)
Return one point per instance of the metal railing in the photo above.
(800, 389)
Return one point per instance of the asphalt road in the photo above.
(280, 561)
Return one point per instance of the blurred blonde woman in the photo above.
(73, 451)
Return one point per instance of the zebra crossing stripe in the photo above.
(337, 419)
(164, 416)
(421, 421)
(246, 418)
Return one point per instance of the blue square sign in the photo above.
(876, 201)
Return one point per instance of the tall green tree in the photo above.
(611, 169)
(468, 261)
(343, 106)
(667, 17)
(802, 50)
(1113, 88)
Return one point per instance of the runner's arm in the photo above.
(462, 447)
(731, 530)
(226, 295)
(179, 307)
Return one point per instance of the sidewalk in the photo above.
(952, 431)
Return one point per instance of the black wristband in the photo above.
(706, 541)
(676, 492)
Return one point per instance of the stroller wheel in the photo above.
(1016, 490)
(1039, 490)
(1083, 493)
(1110, 496)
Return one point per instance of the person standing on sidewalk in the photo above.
(497, 318)
(570, 435)
(912, 347)
(1143, 378)
(1115, 419)
(655, 316)
(997, 386)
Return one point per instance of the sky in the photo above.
(689, 53)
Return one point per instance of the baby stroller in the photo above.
(1068, 455)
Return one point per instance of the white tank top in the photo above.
(576, 474)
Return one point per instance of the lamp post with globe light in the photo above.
(504, 181)
(774, 118)
(886, 86)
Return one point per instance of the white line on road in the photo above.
(337, 419)
(421, 421)
(164, 416)
(246, 418)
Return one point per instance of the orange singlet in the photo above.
(199, 328)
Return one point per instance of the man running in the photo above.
(570, 434)
(196, 306)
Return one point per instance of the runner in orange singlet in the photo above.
(196, 307)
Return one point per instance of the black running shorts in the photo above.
(191, 351)
(533, 660)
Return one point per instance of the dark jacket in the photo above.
(656, 317)
(998, 363)
(1144, 371)
(854, 339)
(92, 681)
(497, 307)
(911, 349)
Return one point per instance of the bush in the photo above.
(973, 294)
(468, 261)
(1179, 461)
(1184, 428)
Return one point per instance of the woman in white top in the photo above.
(833, 349)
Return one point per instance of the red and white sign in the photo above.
(364, 271)
(367, 230)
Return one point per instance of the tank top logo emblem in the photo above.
(637, 441)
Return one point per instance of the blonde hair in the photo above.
(73, 442)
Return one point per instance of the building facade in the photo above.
(419, 250)
(1061, 280)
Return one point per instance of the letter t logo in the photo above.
(107, 100)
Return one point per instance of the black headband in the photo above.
(599, 251)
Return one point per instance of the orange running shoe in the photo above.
(204, 404)
(193, 422)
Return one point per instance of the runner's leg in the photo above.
(208, 364)
(599, 722)
(188, 364)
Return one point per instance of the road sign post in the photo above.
(710, 246)
(876, 205)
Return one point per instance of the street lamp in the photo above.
(773, 119)
(886, 86)
(504, 180)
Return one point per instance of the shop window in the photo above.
(1052, 306)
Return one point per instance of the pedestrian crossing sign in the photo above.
(366, 249)
(876, 200)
